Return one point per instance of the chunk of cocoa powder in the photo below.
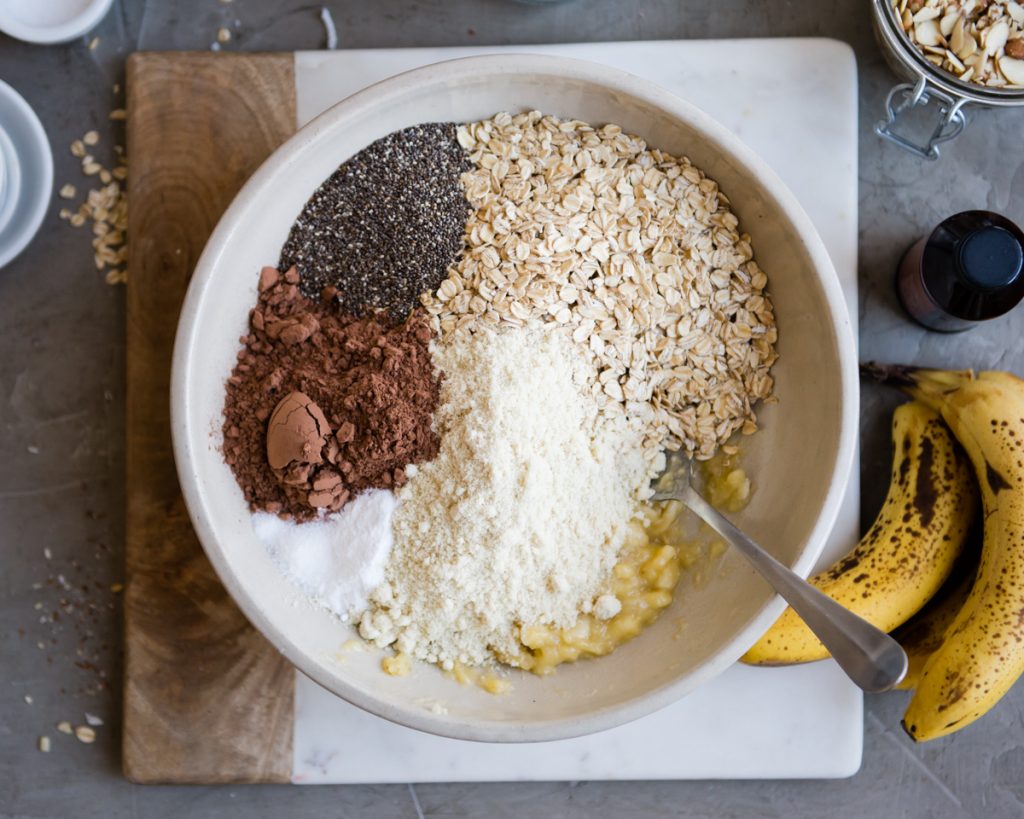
(364, 389)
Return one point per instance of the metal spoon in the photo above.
(869, 656)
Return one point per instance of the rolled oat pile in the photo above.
(637, 253)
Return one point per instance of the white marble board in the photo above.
(794, 101)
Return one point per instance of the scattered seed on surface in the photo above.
(44, 744)
(64, 727)
(223, 35)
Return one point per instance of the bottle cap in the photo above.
(990, 258)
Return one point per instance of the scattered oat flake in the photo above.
(223, 35)
(78, 148)
(95, 41)
(32, 449)
(64, 727)
(28, 700)
(91, 168)
(47, 553)
(91, 138)
(68, 191)
(93, 720)
(44, 744)
(118, 113)
(83, 733)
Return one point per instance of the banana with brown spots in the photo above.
(922, 635)
(907, 554)
(982, 652)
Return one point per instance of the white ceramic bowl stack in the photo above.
(51, 21)
(798, 460)
(26, 173)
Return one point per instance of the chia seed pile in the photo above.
(384, 228)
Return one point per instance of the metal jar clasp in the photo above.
(905, 97)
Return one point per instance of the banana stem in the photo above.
(927, 386)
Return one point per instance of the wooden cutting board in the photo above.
(206, 698)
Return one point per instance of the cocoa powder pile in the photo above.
(322, 404)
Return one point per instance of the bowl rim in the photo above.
(64, 31)
(185, 436)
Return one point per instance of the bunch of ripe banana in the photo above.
(954, 600)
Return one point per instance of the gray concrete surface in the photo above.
(62, 389)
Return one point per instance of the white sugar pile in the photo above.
(520, 518)
(339, 559)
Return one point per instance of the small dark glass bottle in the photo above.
(969, 269)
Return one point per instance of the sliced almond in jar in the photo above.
(927, 13)
(927, 33)
(949, 21)
(962, 42)
(995, 37)
(953, 61)
(1016, 12)
(1012, 69)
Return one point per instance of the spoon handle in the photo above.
(869, 656)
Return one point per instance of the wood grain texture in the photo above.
(207, 699)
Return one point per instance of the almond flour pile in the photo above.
(603, 308)
(521, 516)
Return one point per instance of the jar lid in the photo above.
(990, 258)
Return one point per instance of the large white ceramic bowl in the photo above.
(799, 460)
